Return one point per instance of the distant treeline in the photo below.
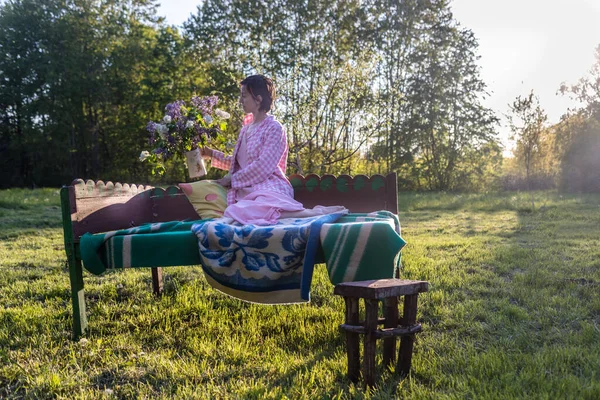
(565, 155)
(364, 87)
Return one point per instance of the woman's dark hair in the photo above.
(260, 85)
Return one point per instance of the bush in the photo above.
(512, 182)
(581, 163)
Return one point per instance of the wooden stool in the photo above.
(373, 291)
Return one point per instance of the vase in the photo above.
(195, 163)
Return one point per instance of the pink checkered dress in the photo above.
(267, 152)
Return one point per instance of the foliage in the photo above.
(395, 86)
(78, 84)
(439, 120)
(394, 81)
(580, 139)
(581, 160)
(364, 86)
(527, 121)
(495, 320)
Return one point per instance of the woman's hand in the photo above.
(206, 152)
(224, 181)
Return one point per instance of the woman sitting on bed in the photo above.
(259, 191)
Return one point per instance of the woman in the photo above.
(259, 191)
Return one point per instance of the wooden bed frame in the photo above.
(95, 207)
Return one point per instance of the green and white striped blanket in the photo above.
(361, 247)
(354, 246)
(151, 245)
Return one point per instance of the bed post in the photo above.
(67, 204)
(391, 188)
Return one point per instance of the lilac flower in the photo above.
(184, 127)
(197, 101)
(205, 104)
(200, 130)
(151, 127)
(174, 109)
(143, 155)
(222, 114)
(162, 130)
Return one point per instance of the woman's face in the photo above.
(248, 103)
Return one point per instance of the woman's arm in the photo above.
(259, 170)
(218, 159)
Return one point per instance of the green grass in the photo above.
(513, 311)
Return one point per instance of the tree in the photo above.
(364, 85)
(394, 29)
(587, 90)
(394, 80)
(308, 47)
(443, 92)
(78, 84)
(580, 141)
(527, 120)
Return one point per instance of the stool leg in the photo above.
(352, 345)
(371, 308)
(407, 342)
(390, 312)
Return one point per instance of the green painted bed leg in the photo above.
(75, 267)
(77, 297)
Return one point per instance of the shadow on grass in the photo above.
(516, 289)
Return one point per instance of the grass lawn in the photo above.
(513, 311)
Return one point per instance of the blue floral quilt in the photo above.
(261, 264)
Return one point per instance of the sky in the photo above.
(524, 45)
(532, 45)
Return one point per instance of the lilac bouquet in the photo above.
(184, 128)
